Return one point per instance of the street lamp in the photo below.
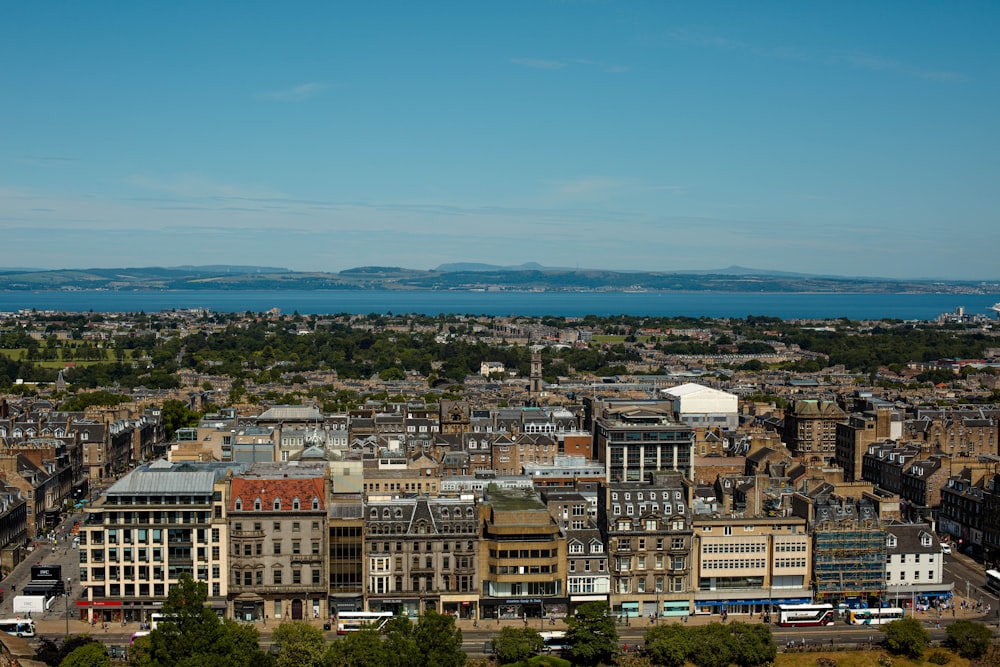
(66, 597)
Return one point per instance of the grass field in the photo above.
(859, 659)
(19, 353)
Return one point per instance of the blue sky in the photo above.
(849, 138)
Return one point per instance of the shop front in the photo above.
(248, 607)
(409, 607)
(463, 606)
(523, 608)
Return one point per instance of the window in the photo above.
(257, 504)
(277, 504)
(277, 548)
(295, 504)
(239, 504)
(277, 578)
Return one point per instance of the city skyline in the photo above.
(834, 138)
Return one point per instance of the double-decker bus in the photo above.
(802, 615)
(352, 621)
(875, 616)
(19, 627)
(993, 581)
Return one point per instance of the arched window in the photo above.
(315, 504)
(374, 513)
(399, 513)
(277, 504)
(385, 513)
(239, 504)
(295, 504)
(257, 504)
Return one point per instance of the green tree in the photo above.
(299, 645)
(968, 639)
(754, 644)
(91, 654)
(592, 634)
(667, 645)
(712, 645)
(432, 641)
(176, 415)
(439, 640)
(906, 637)
(516, 644)
(52, 653)
(357, 649)
(194, 636)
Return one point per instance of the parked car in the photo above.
(945, 548)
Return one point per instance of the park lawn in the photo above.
(19, 353)
(861, 659)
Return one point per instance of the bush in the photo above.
(939, 658)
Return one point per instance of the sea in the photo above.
(560, 304)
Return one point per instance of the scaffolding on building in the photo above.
(848, 553)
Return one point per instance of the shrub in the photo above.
(939, 658)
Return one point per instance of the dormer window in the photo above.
(257, 504)
(295, 504)
(315, 503)
(239, 504)
(277, 504)
(890, 541)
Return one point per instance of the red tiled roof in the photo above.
(286, 490)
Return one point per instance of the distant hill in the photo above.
(530, 276)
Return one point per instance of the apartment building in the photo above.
(647, 530)
(744, 565)
(522, 556)
(810, 429)
(155, 524)
(277, 518)
(422, 554)
(635, 438)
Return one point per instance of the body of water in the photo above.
(693, 304)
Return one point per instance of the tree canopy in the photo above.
(968, 638)
(194, 636)
(592, 634)
(906, 637)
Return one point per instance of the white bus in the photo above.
(875, 616)
(19, 627)
(804, 615)
(993, 581)
(353, 621)
(156, 619)
(555, 641)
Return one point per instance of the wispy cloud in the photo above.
(589, 187)
(878, 63)
(194, 186)
(858, 59)
(46, 160)
(538, 63)
(299, 93)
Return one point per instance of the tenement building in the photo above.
(422, 555)
(277, 514)
(154, 525)
(647, 527)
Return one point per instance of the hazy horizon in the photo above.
(838, 139)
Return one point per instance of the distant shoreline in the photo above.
(785, 305)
